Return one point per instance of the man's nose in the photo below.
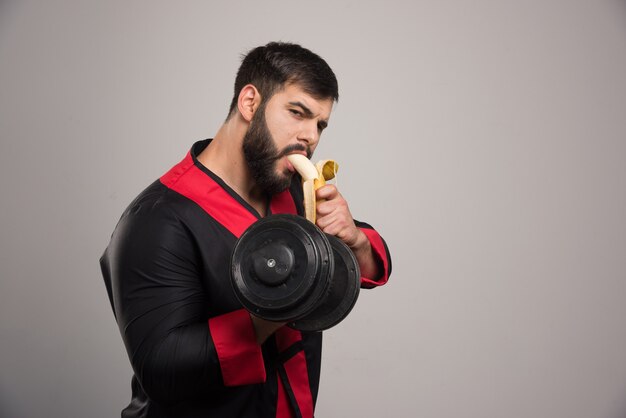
(309, 133)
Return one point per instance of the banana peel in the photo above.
(313, 176)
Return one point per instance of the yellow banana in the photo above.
(313, 177)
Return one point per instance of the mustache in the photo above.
(291, 148)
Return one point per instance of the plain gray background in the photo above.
(486, 141)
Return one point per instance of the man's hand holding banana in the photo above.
(327, 208)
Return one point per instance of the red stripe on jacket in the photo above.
(380, 253)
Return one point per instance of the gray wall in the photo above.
(486, 140)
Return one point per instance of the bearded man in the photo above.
(194, 350)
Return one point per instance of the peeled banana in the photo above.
(313, 176)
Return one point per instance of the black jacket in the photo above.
(191, 345)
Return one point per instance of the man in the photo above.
(194, 351)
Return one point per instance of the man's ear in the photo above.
(248, 102)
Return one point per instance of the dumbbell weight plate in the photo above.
(342, 293)
(281, 267)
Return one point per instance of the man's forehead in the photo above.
(293, 94)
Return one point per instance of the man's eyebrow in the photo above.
(305, 109)
(323, 123)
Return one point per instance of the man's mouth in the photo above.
(290, 167)
(303, 152)
(295, 149)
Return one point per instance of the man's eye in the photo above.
(295, 112)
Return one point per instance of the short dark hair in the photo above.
(269, 68)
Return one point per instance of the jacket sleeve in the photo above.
(152, 271)
(381, 255)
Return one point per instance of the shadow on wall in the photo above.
(6, 7)
(6, 410)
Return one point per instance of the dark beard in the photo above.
(261, 155)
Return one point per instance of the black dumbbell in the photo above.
(284, 268)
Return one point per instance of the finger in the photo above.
(333, 212)
(327, 192)
(326, 207)
(343, 232)
(329, 226)
(330, 215)
(325, 221)
(338, 208)
(335, 203)
(335, 222)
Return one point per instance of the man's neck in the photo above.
(224, 157)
